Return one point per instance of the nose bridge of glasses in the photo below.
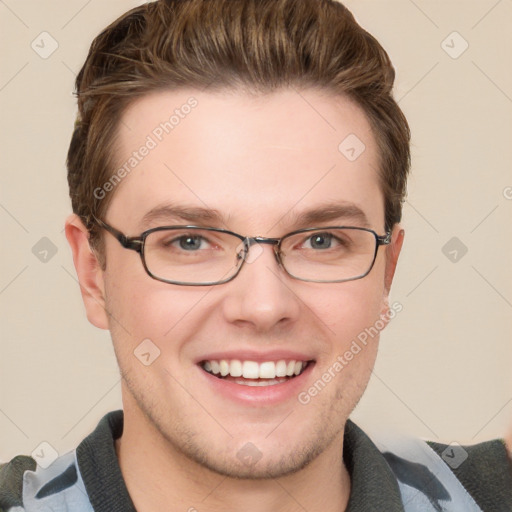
(260, 240)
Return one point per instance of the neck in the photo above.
(159, 478)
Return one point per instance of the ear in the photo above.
(88, 269)
(392, 253)
(508, 442)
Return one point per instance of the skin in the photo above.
(259, 161)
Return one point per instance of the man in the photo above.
(236, 173)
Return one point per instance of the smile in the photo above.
(252, 373)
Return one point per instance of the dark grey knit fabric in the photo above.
(486, 474)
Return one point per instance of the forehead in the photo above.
(258, 161)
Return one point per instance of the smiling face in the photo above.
(258, 166)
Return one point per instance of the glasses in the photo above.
(203, 256)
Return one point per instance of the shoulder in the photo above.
(484, 469)
(90, 470)
(477, 477)
(11, 482)
(26, 487)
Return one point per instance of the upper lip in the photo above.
(252, 355)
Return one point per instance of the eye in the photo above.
(188, 242)
(321, 241)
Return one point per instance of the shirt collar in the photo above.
(373, 485)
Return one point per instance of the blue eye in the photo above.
(186, 242)
(320, 241)
(190, 243)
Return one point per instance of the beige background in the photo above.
(444, 366)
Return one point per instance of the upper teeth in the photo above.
(253, 369)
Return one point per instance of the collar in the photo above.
(373, 485)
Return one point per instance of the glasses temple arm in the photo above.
(134, 243)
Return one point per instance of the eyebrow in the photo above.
(333, 211)
(339, 211)
(191, 214)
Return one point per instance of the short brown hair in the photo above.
(252, 45)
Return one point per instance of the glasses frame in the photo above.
(137, 244)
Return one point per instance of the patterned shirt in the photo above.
(403, 476)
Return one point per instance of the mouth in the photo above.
(253, 373)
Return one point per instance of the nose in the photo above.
(261, 297)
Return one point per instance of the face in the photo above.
(259, 163)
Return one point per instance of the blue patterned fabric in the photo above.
(426, 482)
(397, 475)
(58, 488)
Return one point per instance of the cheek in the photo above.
(348, 309)
(139, 306)
(144, 309)
(353, 316)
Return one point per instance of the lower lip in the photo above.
(259, 395)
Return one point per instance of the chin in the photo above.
(250, 464)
